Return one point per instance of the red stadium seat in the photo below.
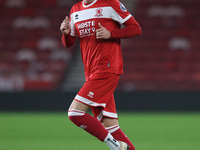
(149, 63)
(23, 24)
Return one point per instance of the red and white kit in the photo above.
(102, 59)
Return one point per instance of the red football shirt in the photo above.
(99, 55)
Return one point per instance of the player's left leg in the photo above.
(113, 128)
(109, 120)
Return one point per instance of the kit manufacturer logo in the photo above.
(91, 94)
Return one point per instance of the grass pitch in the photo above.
(54, 131)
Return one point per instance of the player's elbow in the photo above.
(68, 41)
(139, 30)
(135, 30)
(67, 45)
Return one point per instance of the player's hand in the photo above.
(102, 32)
(65, 27)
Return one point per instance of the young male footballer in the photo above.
(97, 23)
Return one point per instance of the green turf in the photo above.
(54, 131)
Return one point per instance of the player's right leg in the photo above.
(77, 114)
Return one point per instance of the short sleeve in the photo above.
(119, 12)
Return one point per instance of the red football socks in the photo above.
(88, 123)
(120, 136)
(95, 128)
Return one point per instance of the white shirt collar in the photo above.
(89, 4)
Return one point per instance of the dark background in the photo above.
(125, 101)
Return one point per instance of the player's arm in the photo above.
(102, 32)
(65, 28)
(120, 14)
(131, 29)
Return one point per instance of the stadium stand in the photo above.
(166, 57)
(31, 53)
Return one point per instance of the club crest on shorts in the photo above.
(91, 94)
(99, 12)
(122, 7)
